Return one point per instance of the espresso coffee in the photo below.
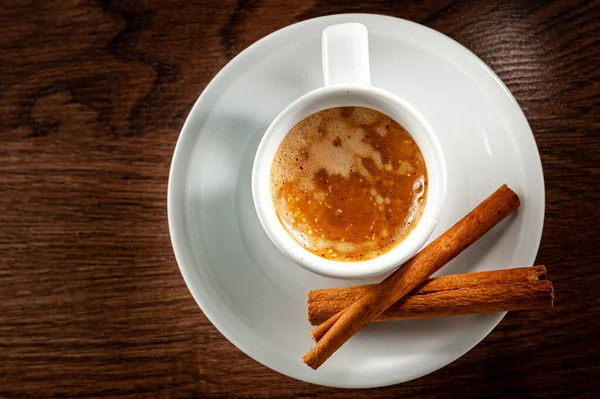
(348, 183)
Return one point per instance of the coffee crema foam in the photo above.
(348, 183)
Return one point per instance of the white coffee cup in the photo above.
(347, 83)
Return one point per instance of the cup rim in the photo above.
(265, 209)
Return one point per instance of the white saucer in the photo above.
(252, 293)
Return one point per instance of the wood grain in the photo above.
(92, 97)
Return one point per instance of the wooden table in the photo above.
(93, 96)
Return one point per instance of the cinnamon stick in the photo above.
(346, 323)
(482, 292)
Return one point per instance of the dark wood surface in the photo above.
(92, 98)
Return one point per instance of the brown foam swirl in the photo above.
(348, 183)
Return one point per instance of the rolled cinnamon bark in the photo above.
(470, 293)
(346, 323)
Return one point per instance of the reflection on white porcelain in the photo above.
(252, 293)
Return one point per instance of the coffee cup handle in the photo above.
(345, 51)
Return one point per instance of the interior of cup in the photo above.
(379, 100)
